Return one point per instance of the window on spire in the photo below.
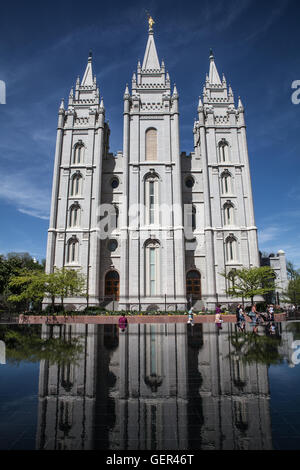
(78, 153)
(151, 145)
(74, 219)
(226, 186)
(228, 213)
(76, 185)
(152, 267)
(231, 249)
(223, 151)
(151, 199)
(73, 251)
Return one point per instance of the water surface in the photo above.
(154, 386)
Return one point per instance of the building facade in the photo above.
(152, 227)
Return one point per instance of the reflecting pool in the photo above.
(153, 386)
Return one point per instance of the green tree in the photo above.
(31, 286)
(292, 295)
(11, 265)
(292, 272)
(250, 348)
(64, 283)
(250, 282)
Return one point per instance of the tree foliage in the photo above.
(25, 282)
(12, 265)
(292, 272)
(292, 295)
(24, 344)
(251, 349)
(250, 282)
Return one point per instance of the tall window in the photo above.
(151, 145)
(78, 153)
(194, 218)
(73, 251)
(228, 213)
(226, 182)
(231, 249)
(223, 151)
(152, 264)
(152, 267)
(151, 200)
(76, 185)
(74, 219)
(116, 216)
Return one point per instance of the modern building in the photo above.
(151, 226)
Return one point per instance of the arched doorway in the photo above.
(193, 285)
(112, 284)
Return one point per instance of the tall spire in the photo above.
(88, 74)
(214, 78)
(150, 61)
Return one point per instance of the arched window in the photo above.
(73, 251)
(231, 249)
(228, 213)
(76, 185)
(78, 153)
(152, 267)
(151, 145)
(151, 199)
(223, 151)
(74, 218)
(226, 185)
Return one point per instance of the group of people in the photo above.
(256, 319)
(267, 319)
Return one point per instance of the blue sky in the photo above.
(44, 46)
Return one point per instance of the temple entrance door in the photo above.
(112, 285)
(193, 285)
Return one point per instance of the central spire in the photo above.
(214, 78)
(150, 61)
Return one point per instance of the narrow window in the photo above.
(72, 251)
(231, 249)
(152, 267)
(152, 271)
(228, 214)
(151, 145)
(74, 216)
(151, 200)
(224, 151)
(78, 153)
(76, 185)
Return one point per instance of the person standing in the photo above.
(218, 319)
(242, 320)
(191, 317)
(123, 322)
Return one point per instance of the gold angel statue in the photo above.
(151, 23)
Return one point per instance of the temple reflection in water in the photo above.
(155, 386)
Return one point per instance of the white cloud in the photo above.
(23, 192)
(269, 233)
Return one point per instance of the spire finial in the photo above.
(90, 55)
(211, 55)
(151, 22)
